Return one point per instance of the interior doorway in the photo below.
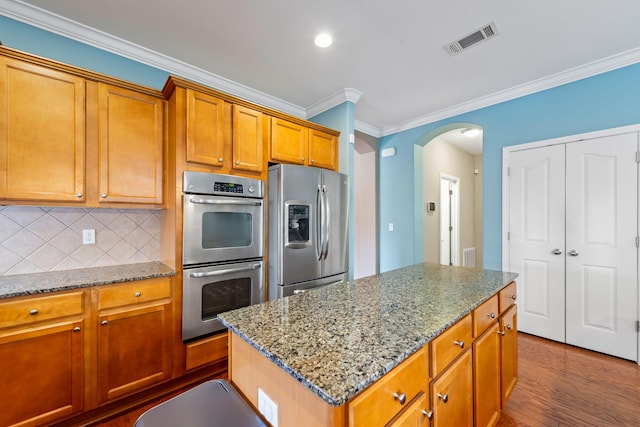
(449, 220)
(365, 262)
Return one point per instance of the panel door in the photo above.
(131, 136)
(205, 135)
(42, 133)
(323, 150)
(289, 142)
(601, 257)
(248, 139)
(536, 245)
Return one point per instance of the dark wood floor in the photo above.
(561, 385)
(558, 385)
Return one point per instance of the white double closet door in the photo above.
(573, 227)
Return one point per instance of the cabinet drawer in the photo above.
(377, 404)
(134, 293)
(35, 309)
(484, 315)
(507, 296)
(416, 414)
(207, 350)
(448, 345)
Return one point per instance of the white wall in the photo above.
(441, 157)
(365, 210)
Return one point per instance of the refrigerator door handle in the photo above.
(327, 222)
(319, 224)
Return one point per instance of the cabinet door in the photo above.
(289, 142)
(486, 371)
(248, 139)
(509, 351)
(415, 415)
(323, 150)
(134, 349)
(131, 135)
(42, 133)
(205, 135)
(452, 394)
(41, 373)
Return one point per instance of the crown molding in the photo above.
(591, 69)
(59, 25)
(347, 94)
(368, 129)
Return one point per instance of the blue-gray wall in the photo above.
(604, 101)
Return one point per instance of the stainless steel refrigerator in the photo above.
(308, 228)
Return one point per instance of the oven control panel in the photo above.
(228, 187)
(222, 185)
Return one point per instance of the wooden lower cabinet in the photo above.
(486, 377)
(134, 338)
(416, 414)
(509, 353)
(41, 359)
(452, 394)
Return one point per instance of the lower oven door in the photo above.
(208, 291)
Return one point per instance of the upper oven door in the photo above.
(218, 228)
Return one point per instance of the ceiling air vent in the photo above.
(488, 31)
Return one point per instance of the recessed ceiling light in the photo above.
(471, 132)
(323, 40)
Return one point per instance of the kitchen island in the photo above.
(316, 354)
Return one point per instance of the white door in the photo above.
(601, 230)
(536, 241)
(449, 220)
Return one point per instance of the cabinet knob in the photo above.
(513, 297)
(573, 252)
(79, 195)
(400, 397)
(443, 397)
(556, 251)
(509, 326)
(302, 159)
(459, 343)
(103, 195)
(33, 312)
(220, 159)
(104, 322)
(237, 162)
(312, 161)
(502, 332)
(428, 414)
(76, 329)
(491, 315)
(137, 294)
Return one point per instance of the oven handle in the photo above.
(225, 271)
(224, 202)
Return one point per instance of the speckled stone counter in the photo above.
(339, 339)
(38, 283)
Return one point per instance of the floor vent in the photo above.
(469, 257)
(484, 33)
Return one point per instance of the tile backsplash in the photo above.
(38, 239)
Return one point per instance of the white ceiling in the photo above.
(389, 56)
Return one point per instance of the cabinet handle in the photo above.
(513, 297)
(302, 159)
(237, 162)
(78, 195)
(427, 414)
(312, 161)
(444, 397)
(103, 195)
(104, 322)
(509, 326)
(573, 252)
(76, 329)
(137, 294)
(400, 397)
(459, 343)
(33, 312)
(491, 315)
(556, 251)
(220, 159)
(501, 332)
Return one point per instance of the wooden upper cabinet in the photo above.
(289, 142)
(323, 150)
(248, 139)
(205, 135)
(42, 133)
(130, 146)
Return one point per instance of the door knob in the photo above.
(573, 252)
(556, 251)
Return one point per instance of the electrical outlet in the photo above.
(267, 408)
(89, 237)
(390, 226)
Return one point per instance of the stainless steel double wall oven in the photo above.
(223, 248)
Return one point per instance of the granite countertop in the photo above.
(339, 339)
(38, 283)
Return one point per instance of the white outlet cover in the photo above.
(267, 408)
(89, 237)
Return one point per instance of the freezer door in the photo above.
(336, 256)
(298, 227)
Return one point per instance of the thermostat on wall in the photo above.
(388, 152)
